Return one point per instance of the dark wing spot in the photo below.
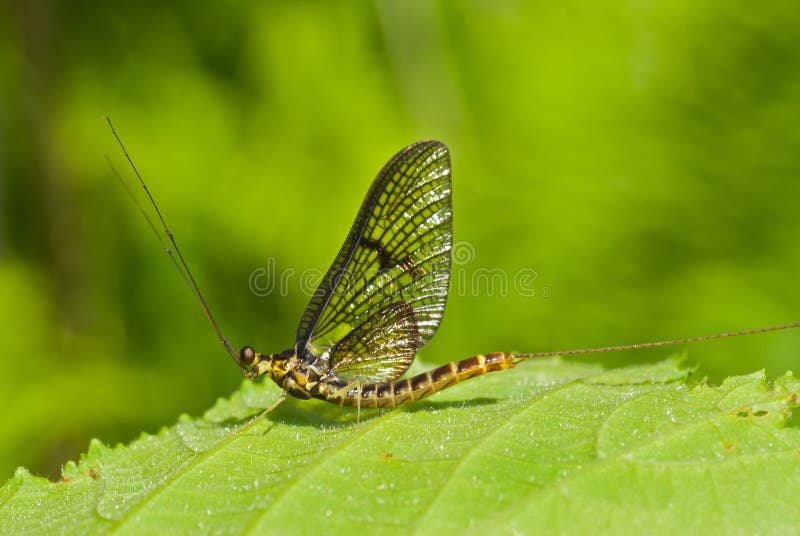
(386, 260)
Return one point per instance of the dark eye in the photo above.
(247, 356)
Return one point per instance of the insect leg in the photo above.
(272, 406)
(358, 410)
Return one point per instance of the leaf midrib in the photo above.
(380, 421)
(190, 464)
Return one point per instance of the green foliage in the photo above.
(550, 446)
(640, 159)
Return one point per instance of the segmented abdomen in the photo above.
(391, 394)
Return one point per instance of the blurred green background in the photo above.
(642, 158)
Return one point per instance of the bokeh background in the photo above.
(641, 158)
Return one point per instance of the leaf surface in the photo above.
(549, 446)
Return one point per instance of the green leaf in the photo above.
(551, 445)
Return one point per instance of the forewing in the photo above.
(398, 251)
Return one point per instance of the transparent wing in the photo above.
(398, 251)
(380, 349)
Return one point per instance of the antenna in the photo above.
(181, 266)
(656, 344)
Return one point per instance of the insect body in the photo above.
(302, 381)
(383, 297)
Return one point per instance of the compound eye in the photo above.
(247, 356)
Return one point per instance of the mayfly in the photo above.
(382, 299)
